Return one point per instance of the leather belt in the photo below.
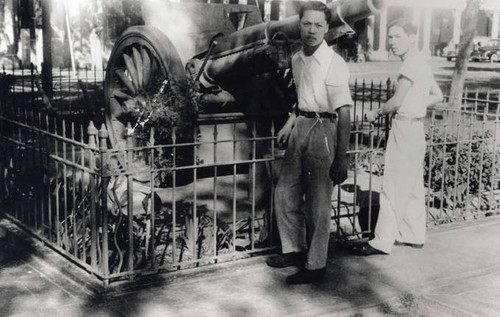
(312, 114)
(406, 118)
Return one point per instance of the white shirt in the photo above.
(313, 74)
(418, 71)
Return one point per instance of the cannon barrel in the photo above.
(265, 47)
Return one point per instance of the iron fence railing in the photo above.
(148, 208)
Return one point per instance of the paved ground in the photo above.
(480, 75)
(456, 274)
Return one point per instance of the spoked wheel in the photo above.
(142, 61)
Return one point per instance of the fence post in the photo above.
(130, 204)
(92, 132)
(355, 119)
(387, 117)
(151, 143)
(103, 155)
(32, 79)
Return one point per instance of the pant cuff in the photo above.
(375, 244)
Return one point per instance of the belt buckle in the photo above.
(318, 117)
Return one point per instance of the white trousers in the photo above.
(402, 215)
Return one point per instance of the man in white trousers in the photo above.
(402, 216)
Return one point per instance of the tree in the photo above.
(465, 48)
(47, 46)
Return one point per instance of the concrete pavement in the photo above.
(457, 273)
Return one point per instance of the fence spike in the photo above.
(152, 136)
(92, 132)
(103, 136)
(174, 135)
(129, 133)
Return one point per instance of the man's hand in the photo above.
(285, 132)
(283, 136)
(338, 170)
(371, 116)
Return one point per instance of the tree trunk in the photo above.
(47, 46)
(464, 51)
(2, 17)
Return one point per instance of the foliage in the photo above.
(457, 168)
(194, 236)
(369, 161)
(367, 158)
(172, 107)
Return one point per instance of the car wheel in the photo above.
(448, 59)
(494, 58)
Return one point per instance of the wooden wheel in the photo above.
(142, 60)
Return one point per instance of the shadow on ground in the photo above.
(239, 288)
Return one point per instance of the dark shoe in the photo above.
(286, 259)
(413, 245)
(366, 249)
(306, 276)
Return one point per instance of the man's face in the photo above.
(399, 41)
(313, 27)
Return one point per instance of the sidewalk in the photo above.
(457, 273)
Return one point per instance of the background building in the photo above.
(438, 22)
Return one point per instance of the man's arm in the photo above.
(284, 133)
(339, 98)
(393, 104)
(436, 95)
(338, 170)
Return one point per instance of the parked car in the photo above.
(489, 51)
(450, 52)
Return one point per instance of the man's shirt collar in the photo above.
(322, 54)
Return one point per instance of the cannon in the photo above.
(231, 56)
(221, 47)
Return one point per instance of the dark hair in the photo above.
(406, 25)
(316, 6)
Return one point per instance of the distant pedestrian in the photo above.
(317, 135)
(96, 50)
(402, 215)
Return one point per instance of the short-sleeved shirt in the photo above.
(313, 74)
(416, 68)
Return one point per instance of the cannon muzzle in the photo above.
(266, 47)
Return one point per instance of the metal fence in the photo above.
(148, 208)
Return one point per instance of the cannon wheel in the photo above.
(141, 58)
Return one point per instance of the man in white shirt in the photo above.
(317, 134)
(402, 215)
